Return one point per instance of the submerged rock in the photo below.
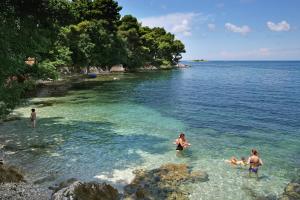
(10, 174)
(163, 183)
(63, 184)
(45, 179)
(11, 118)
(292, 191)
(87, 191)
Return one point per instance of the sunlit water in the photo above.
(104, 130)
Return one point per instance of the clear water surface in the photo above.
(104, 130)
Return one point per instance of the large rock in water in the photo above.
(9, 174)
(87, 191)
(292, 191)
(117, 68)
(163, 183)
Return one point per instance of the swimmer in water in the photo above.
(234, 161)
(181, 142)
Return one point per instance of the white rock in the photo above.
(117, 68)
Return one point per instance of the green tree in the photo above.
(107, 10)
(129, 31)
(163, 48)
(24, 32)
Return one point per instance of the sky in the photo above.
(225, 29)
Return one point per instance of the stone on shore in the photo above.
(163, 183)
(87, 191)
(117, 68)
(292, 191)
(9, 174)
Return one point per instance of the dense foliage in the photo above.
(72, 34)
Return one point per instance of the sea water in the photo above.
(103, 130)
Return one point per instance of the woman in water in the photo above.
(181, 142)
(254, 161)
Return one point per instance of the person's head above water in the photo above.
(243, 159)
(181, 135)
(32, 110)
(254, 152)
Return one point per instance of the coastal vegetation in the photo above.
(40, 38)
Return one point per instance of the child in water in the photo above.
(33, 118)
(181, 142)
(234, 161)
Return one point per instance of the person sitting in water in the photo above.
(234, 161)
(181, 142)
(254, 161)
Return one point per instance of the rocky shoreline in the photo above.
(166, 182)
(13, 186)
(23, 191)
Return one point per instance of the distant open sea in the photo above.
(104, 130)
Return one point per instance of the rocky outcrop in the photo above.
(9, 174)
(117, 68)
(87, 191)
(163, 183)
(292, 191)
(149, 67)
(180, 65)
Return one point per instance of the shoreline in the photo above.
(48, 88)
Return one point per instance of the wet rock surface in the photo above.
(163, 183)
(292, 191)
(87, 191)
(63, 184)
(10, 174)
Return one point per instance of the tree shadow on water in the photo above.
(82, 148)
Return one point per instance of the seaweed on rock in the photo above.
(163, 183)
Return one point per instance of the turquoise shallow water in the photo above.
(104, 130)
